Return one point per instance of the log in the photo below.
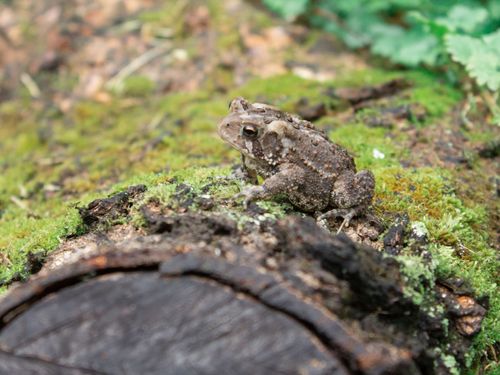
(188, 314)
(194, 297)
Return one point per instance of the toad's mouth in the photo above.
(245, 147)
(230, 135)
(225, 134)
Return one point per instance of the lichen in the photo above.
(450, 362)
(418, 277)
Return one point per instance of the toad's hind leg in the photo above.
(351, 195)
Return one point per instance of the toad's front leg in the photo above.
(280, 183)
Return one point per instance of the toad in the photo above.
(296, 160)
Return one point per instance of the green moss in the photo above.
(483, 136)
(170, 16)
(481, 270)
(492, 368)
(427, 195)
(422, 193)
(372, 147)
(83, 154)
(138, 86)
(433, 93)
(212, 183)
(427, 89)
(230, 39)
(450, 362)
(196, 178)
(367, 77)
(458, 235)
(22, 233)
(283, 91)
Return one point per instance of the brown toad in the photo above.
(297, 160)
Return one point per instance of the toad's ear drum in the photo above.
(270, 142)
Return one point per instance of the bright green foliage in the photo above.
(480, 56)
(412, 32)
(409, 48)
(287, 9)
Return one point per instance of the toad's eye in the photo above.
(249, 131)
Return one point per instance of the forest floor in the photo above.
(98, 96)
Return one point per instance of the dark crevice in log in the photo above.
(50, 366)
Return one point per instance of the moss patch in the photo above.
(433, 93)
(372, 147)
(458, 233)
(138, 86)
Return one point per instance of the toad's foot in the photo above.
(251, 194)
(346, 213)
(278, 183)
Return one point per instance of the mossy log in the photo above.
(153, 311)
(198, 294)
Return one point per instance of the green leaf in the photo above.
(359, 29)
(409, 48)
(494, 9)
(418, 48)
(468, 19)
(493, 41)
(459, 17)
(431, 25)
(461, 47)
(485, 68)
(480, 56)
(288, 9)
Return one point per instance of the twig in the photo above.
(341, 226)
(30, 85)
(117, 80)
(491, 101)
(19, 203)
(155, 121)
(493, 352)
